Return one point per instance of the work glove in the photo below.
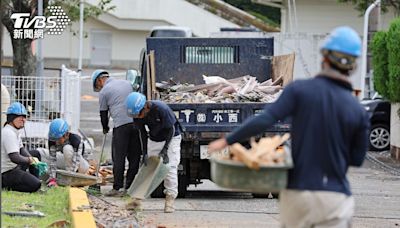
(34, 160)
(52, 182)
(41, 167)
(106, 130)
(164, 155)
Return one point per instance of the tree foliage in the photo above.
(266, 13)
(362, 5)
(386, 61)
(380, 63)
(393, 46)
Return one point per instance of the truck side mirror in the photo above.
(133, 76)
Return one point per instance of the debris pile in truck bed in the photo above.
(266, 152)
(220, 90)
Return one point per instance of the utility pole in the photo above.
(373, 27)
(365, 73)
(39, 68)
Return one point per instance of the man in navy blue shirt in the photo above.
(329, 134)
(163, 138)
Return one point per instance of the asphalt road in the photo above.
(376, 193)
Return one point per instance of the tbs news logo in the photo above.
(27, 28)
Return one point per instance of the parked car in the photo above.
(379, 115)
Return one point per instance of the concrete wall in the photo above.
(395, 131)
(321, 16)
(129, 25)
(149, 13)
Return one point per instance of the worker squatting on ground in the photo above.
(125, 140)
(66, 151)
(163, 139)
(15, 159)
(329, 134)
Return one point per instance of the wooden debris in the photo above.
(219, 90)
(105, 173)
(266, 151)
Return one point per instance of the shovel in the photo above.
(148, 178)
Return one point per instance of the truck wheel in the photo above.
(158, 192)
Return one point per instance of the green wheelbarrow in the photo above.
(148, 178)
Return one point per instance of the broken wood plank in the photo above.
(241, 152)
(268, 145)
(153, 75)
(148, 78)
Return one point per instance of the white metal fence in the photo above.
(46, 98)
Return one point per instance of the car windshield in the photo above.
(168, 33)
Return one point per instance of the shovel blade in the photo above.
(148, 178)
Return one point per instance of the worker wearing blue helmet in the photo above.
(163, 138)
(15, 159)
(70, 148)
(125, 140)
(329, 133)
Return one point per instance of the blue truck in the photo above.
(185, 60)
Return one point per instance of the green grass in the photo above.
(53, 203)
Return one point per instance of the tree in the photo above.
(380, 63)
(362, 5)
(386, 61)
(23, 58)
(393, 47)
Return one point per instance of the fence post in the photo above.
(70, 97)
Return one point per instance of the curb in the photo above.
(80, 210)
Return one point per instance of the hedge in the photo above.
(386, 61)
(380, 63)
(393, 46)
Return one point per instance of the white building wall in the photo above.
(64, 49)
(315, 19)
(125, 46)
(172, 12)
(129, 25)
(321, 16)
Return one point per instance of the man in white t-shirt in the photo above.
(15, 159)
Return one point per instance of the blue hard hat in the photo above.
(344, 40)
(135, 103)
(96, 74)
(18, 109)
(58, 127)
